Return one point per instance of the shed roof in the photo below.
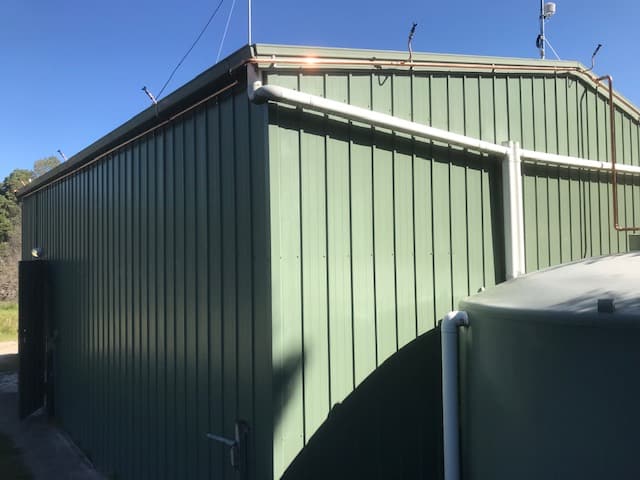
(228, 73)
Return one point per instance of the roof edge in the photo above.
(212, 78)
(152, 116)
(268, 49)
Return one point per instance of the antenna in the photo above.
(64, 157)
(547, 10)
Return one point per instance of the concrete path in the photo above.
(47, 452)
(8, 347)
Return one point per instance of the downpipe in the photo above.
(449, 327)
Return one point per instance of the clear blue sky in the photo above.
(72, 70)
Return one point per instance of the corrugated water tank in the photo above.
(550, 374)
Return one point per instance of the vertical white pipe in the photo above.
(450, 400)
(513, 212)
(519, 205)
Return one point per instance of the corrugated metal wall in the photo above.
(160, 272)
(569, 212)
(375, 236)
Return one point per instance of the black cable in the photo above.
(190, 48)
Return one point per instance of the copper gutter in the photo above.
(614, 175)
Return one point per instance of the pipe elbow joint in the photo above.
(453, 320)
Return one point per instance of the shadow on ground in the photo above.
(9, 363)
(33, 443)
(389, 427)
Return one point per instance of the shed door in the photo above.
(33, 310)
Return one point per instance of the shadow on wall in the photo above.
(284, 376)
(421, 150)
(389, 427)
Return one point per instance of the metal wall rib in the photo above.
(160, 268)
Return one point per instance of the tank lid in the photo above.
(603, 286)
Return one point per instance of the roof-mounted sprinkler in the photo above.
(593, 57)
(150, 95)
(412, 32)
(62, 155)
(547, 10)
(152, 98)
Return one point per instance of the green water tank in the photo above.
(550, 374)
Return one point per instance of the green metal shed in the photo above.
(245, 252)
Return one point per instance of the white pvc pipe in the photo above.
(261, 93)
(554, 159)
(513, 213)
(450, 401)
(331, 107)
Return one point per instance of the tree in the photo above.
(14, 182)
(10, 216)
(10, 234)
(42, 166)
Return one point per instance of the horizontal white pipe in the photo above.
(331, 107)
(450, 423)
(260, 93)
(552, 158)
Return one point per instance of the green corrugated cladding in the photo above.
(259, 262)
(160, 275)
(375, 236)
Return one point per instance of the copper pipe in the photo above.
(614, 175)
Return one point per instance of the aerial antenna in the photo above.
(412, 32)
(547, 10)
(226, 29)
(64, 157)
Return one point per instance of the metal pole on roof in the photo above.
(249, 15)
(541, 37)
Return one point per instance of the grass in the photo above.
(8, 321)
(11, 464)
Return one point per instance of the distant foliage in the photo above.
(10, 219)
(42, 166)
